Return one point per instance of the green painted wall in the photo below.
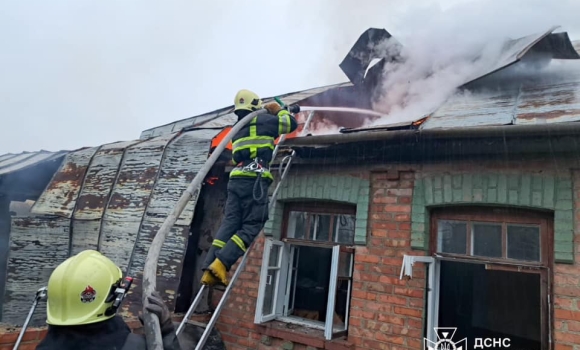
(346, 189)
(518, 190)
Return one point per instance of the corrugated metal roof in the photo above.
(14, 162)
(113, 198)
(532, 101)
(225, 116)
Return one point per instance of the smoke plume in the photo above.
(447, 50)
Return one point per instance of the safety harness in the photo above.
(255, 167)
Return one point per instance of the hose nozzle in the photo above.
(294, 109)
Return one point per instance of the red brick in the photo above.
(397, 320)
(354, 322)
(367, 258)
(413, 323)
(567, 337)
(402, 217)
(391, 299)
(386, 225)
(408, 312)
(370, 277)
(389, 338)
(563, 347)
(379, 287)
(379, 233)
(397, 208)
(384, 269)
(405, 200)
(566, 280)
(414, 343)
(563, 303)
(10, 338)
(393, 261)
(404, 226)
(567, 314)
(573, 326)
(28, 346)
(384, 200)
(363, 295)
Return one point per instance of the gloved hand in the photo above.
(294, 109)
(273, 108)
(156, 306)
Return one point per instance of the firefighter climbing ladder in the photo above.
(150, 321)
(283, 169)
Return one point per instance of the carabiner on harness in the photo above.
(256, 167)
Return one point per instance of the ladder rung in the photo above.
(197, 324)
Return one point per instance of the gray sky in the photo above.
(83, 73)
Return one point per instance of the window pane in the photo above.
(487, 240)
(296, 225)
(274, 256)
(293, 275)
(268, 307)
(323, 228)
(344, 264)
(523, 242)
(313, 276)
(340, 305)
(452, 237)
(344, 229)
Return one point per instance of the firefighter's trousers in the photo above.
(243, 220)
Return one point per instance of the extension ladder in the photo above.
(283, 170)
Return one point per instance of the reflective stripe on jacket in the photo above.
(256, 140)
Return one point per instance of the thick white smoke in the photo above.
(448, 48)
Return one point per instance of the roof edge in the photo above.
(442, 133)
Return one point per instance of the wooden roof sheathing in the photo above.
(113, 198)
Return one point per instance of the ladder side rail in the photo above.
(242, 264)
(150, 321)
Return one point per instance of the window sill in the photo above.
(302, 335)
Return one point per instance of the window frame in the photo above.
(507, 215)
(282, 291)
(489, 215)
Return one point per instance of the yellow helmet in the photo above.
(247, 100)
(82, 290)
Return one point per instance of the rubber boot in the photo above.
(218, 269)
(208, 278)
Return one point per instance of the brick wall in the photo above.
(386, 313)
(567, 288)
(31, 338)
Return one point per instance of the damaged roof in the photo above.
(499, 95)
(225, 116)
(113, 198)
(535, 101)
(10, 162)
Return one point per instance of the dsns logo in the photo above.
(445, 340)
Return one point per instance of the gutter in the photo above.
(441, 133)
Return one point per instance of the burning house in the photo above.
(383, 231)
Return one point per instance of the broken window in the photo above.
(489, 275)
(306, 277)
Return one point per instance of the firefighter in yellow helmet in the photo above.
(84, 294)
(246, 208)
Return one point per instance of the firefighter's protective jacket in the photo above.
(112, 334)
(256, 140)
